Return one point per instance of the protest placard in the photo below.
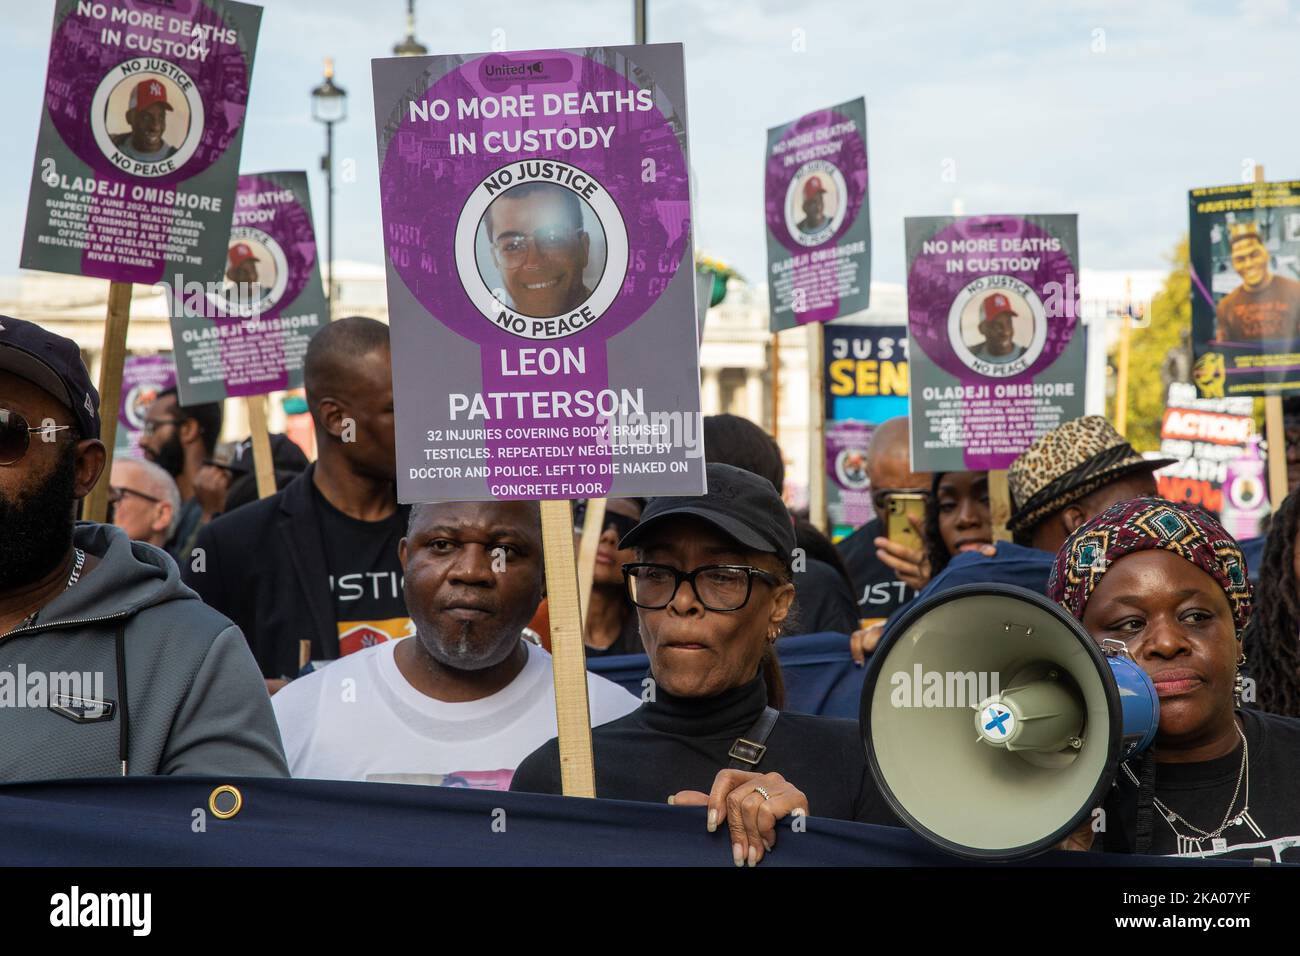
(541, 294)
(144, 377)
(137, 156)
(245, 330)
(540, 282)
(993, 317)
(1244, 246)
(818, 222)
(865, 376)
(1217, 468)
(138, 148)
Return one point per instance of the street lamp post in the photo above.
(410, 46)
(329, 105)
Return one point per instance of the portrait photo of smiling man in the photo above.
(540, 249)
(997, 330)
(146, 114)
(1266, 305)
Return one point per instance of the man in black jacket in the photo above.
(312, 572)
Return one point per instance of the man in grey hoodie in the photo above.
(108, 663)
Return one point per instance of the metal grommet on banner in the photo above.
(225, 789)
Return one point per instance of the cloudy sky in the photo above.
(1111, 110)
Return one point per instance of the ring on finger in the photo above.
(763, 790)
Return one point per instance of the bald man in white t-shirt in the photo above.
(467, 698)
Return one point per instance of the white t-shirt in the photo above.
(360, 719)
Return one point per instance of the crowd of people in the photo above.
(329, 631)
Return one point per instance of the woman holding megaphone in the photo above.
(712, 587)
(1171, 584)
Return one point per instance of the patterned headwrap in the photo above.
(1144, 524)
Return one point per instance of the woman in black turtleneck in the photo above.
(715, 672)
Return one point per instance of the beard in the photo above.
(460, 649)
(36, 529)
(171, 457)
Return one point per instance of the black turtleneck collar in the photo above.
(728, 714)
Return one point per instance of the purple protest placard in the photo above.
(818, 222)
(248, 333)
(143, 378)
(993, 312)
(540, 284)
(140, 135)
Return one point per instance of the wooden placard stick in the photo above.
(1274, 431)
(110, 392)
(263, 465)
(999, 504)
(816, 429)
(572, 716)
(593, 525)
(776, 384)
(1121, 374)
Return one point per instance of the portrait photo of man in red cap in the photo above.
(146, 114)
(248, 275)
(997, 326)
(815, 213)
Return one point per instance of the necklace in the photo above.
(1229, 818)
(78, 563)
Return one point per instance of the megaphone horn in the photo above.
(1054, 715)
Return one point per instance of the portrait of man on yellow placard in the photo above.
(1266, 306)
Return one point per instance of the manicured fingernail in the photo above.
(753, 856)
(738, 854)
(713, 820)
(672, 799)
(767, 846)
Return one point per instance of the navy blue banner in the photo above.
(153, 821)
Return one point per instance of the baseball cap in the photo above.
(812, 187)
(285, 456)
(738, 503)
(240, 252)
(146, 94)
(53, 363)
(996, 304)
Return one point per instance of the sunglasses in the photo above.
(16, 435)
(621, 524)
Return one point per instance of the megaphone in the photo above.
(994, 723)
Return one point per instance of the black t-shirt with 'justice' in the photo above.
(365, 575)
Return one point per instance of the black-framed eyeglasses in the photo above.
(719, 587)
(621, 524)
(116, 494)
(513, 247)
(16, 435)
(149, 427)
(878, 495)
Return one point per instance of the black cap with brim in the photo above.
(731, 527)
(740, 504)
(52, 363)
